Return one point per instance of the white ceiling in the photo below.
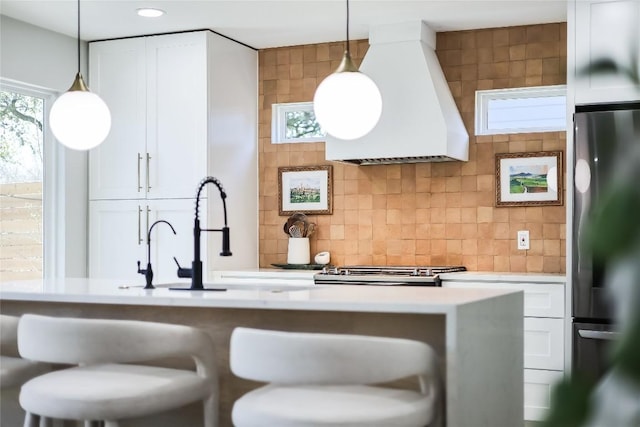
(266, 23)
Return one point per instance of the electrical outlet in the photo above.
(523, 239)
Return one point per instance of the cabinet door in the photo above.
(607, 29)
(117, 239)
(543, 343)
(177, 114)
(538, 385)
(165, 245)
(118, 75)
(540, 299)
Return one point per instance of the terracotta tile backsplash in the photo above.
(425, 213)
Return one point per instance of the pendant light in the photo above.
(347, 104)
(80, 119)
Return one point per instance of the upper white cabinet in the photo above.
(184, 107)
(606, 29)
(158, 89)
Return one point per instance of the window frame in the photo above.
(484, 96)
(279, 122)
(53, 226)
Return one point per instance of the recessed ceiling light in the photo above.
(149, 12)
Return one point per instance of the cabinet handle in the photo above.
(148, 210)
(139, 159)
(139, 225)
(598, 335)
(148, 162)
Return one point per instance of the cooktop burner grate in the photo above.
(416, 271)
(378, 275)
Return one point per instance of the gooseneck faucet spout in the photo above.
(148, 272)
(195, 272)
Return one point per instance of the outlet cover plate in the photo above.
(523, 239)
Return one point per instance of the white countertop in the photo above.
(303, 276)
(395, 299)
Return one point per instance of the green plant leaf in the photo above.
(569, 403)
(627, 352)
(614, 228)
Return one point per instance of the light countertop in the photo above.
(476, 331)
(259, 295)
(306, 276)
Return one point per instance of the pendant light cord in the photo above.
(78, 36)
(347, 43)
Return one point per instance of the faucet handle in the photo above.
(141, 271)
(226, 251)
(183, 273)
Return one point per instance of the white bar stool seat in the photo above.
(326, 380)
(104, 386)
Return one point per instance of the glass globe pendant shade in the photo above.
(347, 104)
(80, 119)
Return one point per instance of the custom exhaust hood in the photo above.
(420, 121)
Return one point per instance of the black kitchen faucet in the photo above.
(148, 272)
(195, 272)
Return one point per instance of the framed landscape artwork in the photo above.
(529, 179)
(305, 189)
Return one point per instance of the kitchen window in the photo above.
(24, 161)
(521, 110)
(295, 122)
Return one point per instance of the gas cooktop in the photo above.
(388, 275)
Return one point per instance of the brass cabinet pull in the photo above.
(139, 159)
(139, 225)
(148, 182)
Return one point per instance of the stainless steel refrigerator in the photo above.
(602, 136)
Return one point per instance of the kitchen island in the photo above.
(477, 333)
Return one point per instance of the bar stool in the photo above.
(318, 379)
(14, 370)
(104, 386)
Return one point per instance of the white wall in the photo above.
(39, 57)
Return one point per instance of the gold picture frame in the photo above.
(305, 189)
(529, 179)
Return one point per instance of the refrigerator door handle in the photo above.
(598, 335)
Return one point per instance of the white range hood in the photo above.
(420, 121)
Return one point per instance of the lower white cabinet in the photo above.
(538, 385)
(543, 325)
(543, 343)
(118, 237)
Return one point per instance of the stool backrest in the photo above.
(92, 341)
(318, 358)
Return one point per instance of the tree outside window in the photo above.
(21, 174)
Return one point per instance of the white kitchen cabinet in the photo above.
(538, 386)
(118, 75)
(544, 343)
(543, 323)
(157, 90)
(183, 108)
(118, 238)
(606, 29)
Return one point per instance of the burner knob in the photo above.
(324, 270)
(335, 270)
(347, 272)
(415, 272)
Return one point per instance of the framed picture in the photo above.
(305, 189)
(529, 179)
